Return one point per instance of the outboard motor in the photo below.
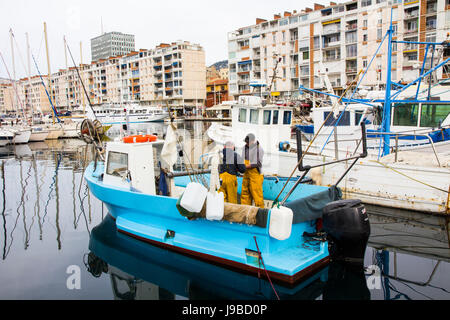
(347, 226)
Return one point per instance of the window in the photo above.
(117, 164)
(287, 117)
(305, 55)
(358, 115)
(254, 116)
(266, 117)
(344, 121)
(432, 114)
(275, 117)
(365, 37)
(352, 50)
(405, 115)
(379, 34)
(242, 115)
(351, 37)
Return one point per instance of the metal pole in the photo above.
(387, 102)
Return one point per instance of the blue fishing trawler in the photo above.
(126, 182)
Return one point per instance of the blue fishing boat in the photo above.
(127, 260)
(126, 183)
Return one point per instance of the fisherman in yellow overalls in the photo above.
(252, 183)
(228, 171)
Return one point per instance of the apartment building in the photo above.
(173, 74)
(339, 40)
(216, 92)
(6, 97)
(111, 44)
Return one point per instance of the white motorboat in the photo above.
(22, 134)
(6, 137)
(374, 180)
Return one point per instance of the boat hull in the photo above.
(149, 218)
(54, 134)
(38, 136)
(22, 136)
(6, 138)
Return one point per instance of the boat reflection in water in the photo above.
(141, 271)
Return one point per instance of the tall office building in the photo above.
(111, 44)
(338, 40)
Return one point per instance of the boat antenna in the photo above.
(278, 60)
(81, 81)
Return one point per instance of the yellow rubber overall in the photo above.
(252, 187)
(228, 187)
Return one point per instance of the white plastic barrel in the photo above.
(194, 197)
(280, 225)
(214, 205)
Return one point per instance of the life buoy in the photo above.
(139, 138)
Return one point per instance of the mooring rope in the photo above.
(409, 177)
(267, 274)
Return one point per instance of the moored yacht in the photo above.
(112, 114)
(6, 137)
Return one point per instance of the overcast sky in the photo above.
(152, 22)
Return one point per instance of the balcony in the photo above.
(332, 58)
(431, 8)
(411, 14)
(410, 31)
(330, 29)
(332, 44)
(431, 24)
(243, 81)
(351, 27)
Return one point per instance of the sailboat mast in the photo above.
(49, 72)
(15, 103)
(29, 79)
(81, 65)
(67, 69)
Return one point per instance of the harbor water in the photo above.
(49, 218)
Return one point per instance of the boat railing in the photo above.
(305, 169)
(395, 148)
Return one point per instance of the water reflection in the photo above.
(48, 219)
(31, 189)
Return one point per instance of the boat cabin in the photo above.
(271, 124)
(431, 115)
(132, 166)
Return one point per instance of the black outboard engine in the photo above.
(347, 226)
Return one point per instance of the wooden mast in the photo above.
(49, 72)
(81, 66)
(29, 79)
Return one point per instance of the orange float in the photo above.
(139, 138)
